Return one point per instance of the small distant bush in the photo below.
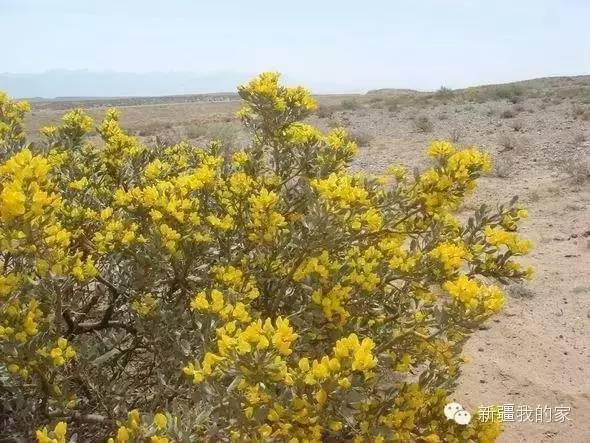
(503, 167)
(361, 138)
(579, 138)
(455, 135)
(423, 124)
(512, 93)
(152, 128)
(579, 111)
(324, 111)
(444, 93)
(392, 104)
(226, 134)
(517, 125)
(350, 104)
(508, 113)
(578, 169)
(165, 293)
(507, 141)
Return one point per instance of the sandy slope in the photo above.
(537, 352)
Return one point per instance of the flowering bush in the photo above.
(176, 293)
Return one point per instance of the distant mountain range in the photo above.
(87, 84)
(68, 85)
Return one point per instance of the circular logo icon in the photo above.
(454, 411)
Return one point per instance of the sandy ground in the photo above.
(536, 353)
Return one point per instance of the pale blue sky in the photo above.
(328, 45)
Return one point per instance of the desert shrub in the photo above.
(508, 113)
(226, 134)
(503, 167)
(577, 111)
(444, 93)
(512, 93)
(324, 111)
(455, 135)
(579, 138)
(392, 104)
(360, 137)
(577, 169)
(350, 104)
(423, 124)
(517, 125)
(152, 128)
(164, 294)
(507, 141)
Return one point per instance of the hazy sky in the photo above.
(328, 45)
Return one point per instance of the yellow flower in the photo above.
(79, 185)
(122, 435)
(199, 302)
(499, 237)
(265, 431)
(441, 148)
(335, 425)
(160, 420)
(60, 430)
(451, 255)
(363, 357)
(284, 336)
(12, 201)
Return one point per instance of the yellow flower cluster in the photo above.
(499, 237)
(24, 186)
(338, 140)
(302, 134)
(462, 164)
(233, 340)
(510, 219)
(442, 187)
(363, 268)
(119, 145)
(265, 221)
(450, 255)
(474, 295)
(60, 354)
(441, 149)
(333, 301)
(12, 114)
(216, 304)
(319, 267)
(139, 428)
(58, 435)
(341, 191)
(77, 120)
(395, 251)
(20, 321)
(145, 305)
(265, 92)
